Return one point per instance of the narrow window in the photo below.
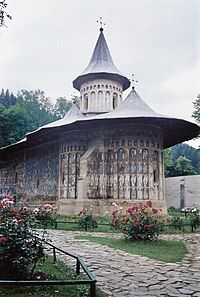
(38, 183)
(86, 102)
(114, 100)
(63, 178)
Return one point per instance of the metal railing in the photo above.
(91, 281)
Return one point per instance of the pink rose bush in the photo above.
(20, 249)
(141, 221)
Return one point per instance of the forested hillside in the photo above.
(27, 111)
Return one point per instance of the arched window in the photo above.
(120, 155)
(92, 99)
(133, 173)
(86, 101)
(100, 94)
(107, 99)
(132, 160)
(129, 142)
(145, 174)
(100, 100)
(121, 174)
(155, 167)
(141, 143)
(114, 100)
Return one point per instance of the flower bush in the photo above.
(140, 222)
(45, 215)
(20, 248)
(86, 220)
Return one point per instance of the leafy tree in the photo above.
(189, 152)
(168, 162)
(3, 13)
(7, 99)
(28, 111)
(61, 107)
(181, 159)
(183, 166)
(39, 108)
(15, 124)
(196, 112)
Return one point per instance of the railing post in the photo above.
(54, 254)
(77, 267)
(92, 289)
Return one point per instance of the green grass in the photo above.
(58, 271)
(161, 250)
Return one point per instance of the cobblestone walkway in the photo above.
(120, 274)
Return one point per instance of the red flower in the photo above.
(3, 239)
(149, 203)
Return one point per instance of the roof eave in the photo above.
(102, 75)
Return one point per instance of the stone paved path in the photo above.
(120, 274)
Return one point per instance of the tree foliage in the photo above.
(181, 159)
(26, 112)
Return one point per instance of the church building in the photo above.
(111, 150)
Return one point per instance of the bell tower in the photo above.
(101, 84)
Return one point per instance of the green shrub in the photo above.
(195, 220)
(177, 223)
(86, 220)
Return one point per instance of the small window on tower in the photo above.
(114, 100)
(38, 183)
(86, 102)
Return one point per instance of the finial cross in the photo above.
(133, 81)
(101, 23)
(72, 98)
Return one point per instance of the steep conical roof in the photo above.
(72, 115)
(134, 110)
(101, 65)
(132, 106)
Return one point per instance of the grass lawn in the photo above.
(161, 250)
(57, 270)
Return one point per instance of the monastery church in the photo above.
(111, 150)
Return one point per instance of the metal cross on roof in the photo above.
(133, 81)
(73, 100)
(100, 21)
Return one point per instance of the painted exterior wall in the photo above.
(116, 164)
(191, 193)
(32, 175)
(109, 164)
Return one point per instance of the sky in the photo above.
(48, 43)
